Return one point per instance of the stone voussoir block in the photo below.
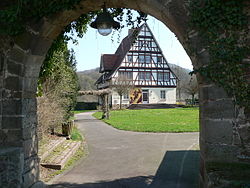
(11, 94)
(220, 152)
(13, 83)
(30, 84)
(30, 146)
(217, 131)
(30, 163)
(15, 68)
(30, 177)
(14, 137)
(220, 109)
(30, 132)
(244, 132)
(29, 105)
(11, 122)
(212, 92)
(11, 107)
(29, 121)
(16, 54)
(11, 165)
(36, 44)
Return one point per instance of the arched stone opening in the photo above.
(22, 57)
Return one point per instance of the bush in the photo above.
(50, 115)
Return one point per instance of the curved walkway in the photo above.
(123, 159)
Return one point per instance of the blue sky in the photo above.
(92, 45)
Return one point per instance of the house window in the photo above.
(130, 58)
(154, 59)
(141, 75)
(144, 76)
(154, 44)
(160, 76)
(167, 76)
(159, 59)
(126, 75)
(141, 58)
(140, 43)
(147, 76)
(147, 59)
(126, 96)
(163, 94)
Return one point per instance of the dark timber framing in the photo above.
(142, 62)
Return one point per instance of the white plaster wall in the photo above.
(155, 95)
(116, 99)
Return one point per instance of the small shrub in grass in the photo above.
(76, 135)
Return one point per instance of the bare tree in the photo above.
(50, 115)
(122, 85)
(192, 88)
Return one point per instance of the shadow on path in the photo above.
(178, 169)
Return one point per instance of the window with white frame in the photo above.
(144, 76)
(141, 58)
(126, 75)
(167, 76)
(126, 96)
(163, 94)
(160, 76)
(130, 58)
(147, 59)
(147, 76)
(159, 59)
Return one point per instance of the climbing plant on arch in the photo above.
(223, 27)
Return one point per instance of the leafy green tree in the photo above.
(57, 86)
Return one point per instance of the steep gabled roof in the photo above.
(111, 63)
(120, 53)
(123, 48)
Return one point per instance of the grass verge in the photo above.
(48, 174)
(76, 135)
(154, 120)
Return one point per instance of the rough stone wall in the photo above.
(224, 132)
(20, 61)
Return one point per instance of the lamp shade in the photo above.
(105, 23)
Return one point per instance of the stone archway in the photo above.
(20, 61)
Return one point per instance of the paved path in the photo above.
(123, 159)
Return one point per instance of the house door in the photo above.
(144, 96)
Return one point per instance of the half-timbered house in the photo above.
(139, 62)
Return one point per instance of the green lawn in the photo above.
(155, 120)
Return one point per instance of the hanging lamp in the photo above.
(104, 23)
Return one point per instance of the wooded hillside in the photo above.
(87, 81)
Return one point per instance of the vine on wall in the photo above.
(15, 14)
(223, 26)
